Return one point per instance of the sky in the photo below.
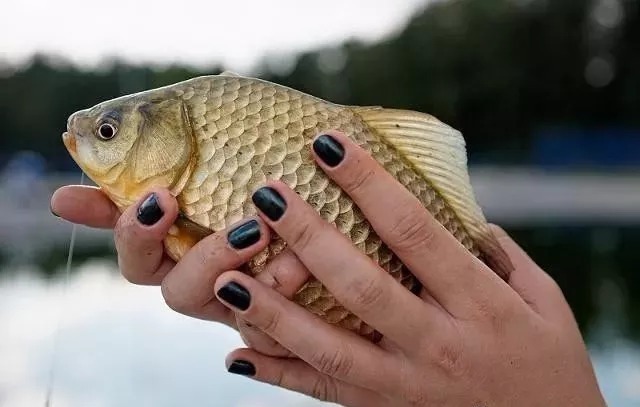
(238, 33)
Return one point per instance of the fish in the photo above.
(213, 140)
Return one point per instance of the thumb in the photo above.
(533, 284)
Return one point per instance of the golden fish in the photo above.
(213, 140)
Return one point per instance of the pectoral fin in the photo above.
(183, 235)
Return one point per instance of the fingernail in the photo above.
(242, 367)
(149, 211)
(329, 150)
(269, 202)
(236, 295)
(244, 235)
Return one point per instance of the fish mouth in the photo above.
(69, 140)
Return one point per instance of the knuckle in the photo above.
(447, 357)
(415, 396)
(413, 389)
(279, 378)
(336, 363)
(496, 319)
(270, 321)
(255, 339)
(122, 232)
(368, 293)
(285, 273)
(302, 236)
(174, 301)
(491, 314)
(416, 399)
(552, 286)
(359, 179)
(324, 389)
(412, 231)
(129, 273)
(130, 238)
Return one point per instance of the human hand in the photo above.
(187, 286)
(470, 339)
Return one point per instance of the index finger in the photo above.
(357, 283)
(85, 205)
(451, 274)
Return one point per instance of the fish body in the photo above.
(213, 140)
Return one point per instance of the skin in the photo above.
(469, 339)
(187, 285)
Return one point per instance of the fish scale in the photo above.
(214, 140)
(286, 125)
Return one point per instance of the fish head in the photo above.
(131, 144)
(100, 138)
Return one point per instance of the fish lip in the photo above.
(69, 140)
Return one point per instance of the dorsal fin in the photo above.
(438, 153)
(228, 73)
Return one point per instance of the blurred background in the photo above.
(546, 92)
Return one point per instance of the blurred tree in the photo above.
(495, 69)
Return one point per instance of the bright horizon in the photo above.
(238, 34)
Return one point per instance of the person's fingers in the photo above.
(84, 205)
(532, 283)
(285, 274)
(188, 287)
(354, 279)
(254, 338)
(448, 271)
(329, 349)
(139, 235)
(298, 376)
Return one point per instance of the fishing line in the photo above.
(56, 332)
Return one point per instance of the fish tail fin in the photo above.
(438, 153)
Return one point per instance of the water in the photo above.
(120, 345)
(56, 339)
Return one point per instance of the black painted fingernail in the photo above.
(269, 201)
(236, 295)
(242, 367)
(329, 150)
(244, 235)
(149, 211)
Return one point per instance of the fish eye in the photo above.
(107, 131)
